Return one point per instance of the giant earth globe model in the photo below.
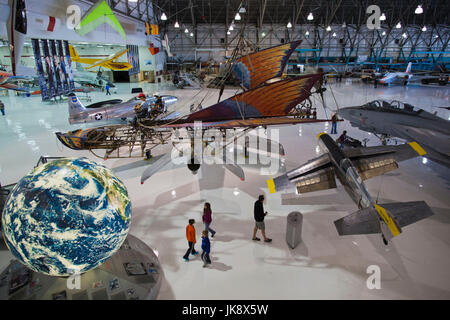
(66, 216)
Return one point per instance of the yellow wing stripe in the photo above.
(389, 222)
(271, 186)
(417, 148)
(318, 136)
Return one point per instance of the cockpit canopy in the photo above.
(394, 104)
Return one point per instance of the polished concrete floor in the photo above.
(415, 265)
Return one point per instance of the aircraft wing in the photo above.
(374, 161)
(12, 86)
(366, 221)
(109, 64)
(317, 174)
(260, 66)
(245, 123)
(88, 60)
(439, 141)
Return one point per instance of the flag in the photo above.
(153, 50)
(154, 29)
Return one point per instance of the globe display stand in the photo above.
(132, 273)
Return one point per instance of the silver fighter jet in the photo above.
(351, 167)
(110, 109)
(402, 120)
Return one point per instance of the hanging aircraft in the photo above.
(263, 104)
(402, 120)
(352, 167)
(108, 62)
(84, 78)
(110, 109)
(9, 81)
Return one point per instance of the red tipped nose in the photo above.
(142, 182)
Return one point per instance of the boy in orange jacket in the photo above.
(190, 235)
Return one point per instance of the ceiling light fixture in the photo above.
(231, 28)
(399, 25)
(228, 32)
(177, 25)
(263, 34)
(419, 10)
(404, 35)
(289, 25)
(163, 17)
(242, 10)
(307, 33)
(334, 34)
(328, 28)
(384, 33)
(237, 17)
(424, 29)
(382, 17)
(186, 30)
(344, 25)
(310, 16)
(191, 34)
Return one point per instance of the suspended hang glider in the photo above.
(268, 104)
(109, 62)
(352, 167)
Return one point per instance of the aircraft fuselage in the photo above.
(346, 172)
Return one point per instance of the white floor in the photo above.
(416, 265)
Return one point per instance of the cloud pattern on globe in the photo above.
(66, 216)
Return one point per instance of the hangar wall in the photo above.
(363, 40)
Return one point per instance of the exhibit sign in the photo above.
(62, 66)
(69, 65)
(133, 58)
(40, 69)
(56, 68)
(49, 69)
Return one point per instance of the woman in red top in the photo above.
(207, 218)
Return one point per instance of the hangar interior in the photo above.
(185, 52)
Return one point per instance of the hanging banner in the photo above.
(40, 69)
(69, 65)
(133, 58)
(56, 67)
(48, 69)
(62, 64)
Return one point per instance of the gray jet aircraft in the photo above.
(351, 167)
(110, 109)
(402, 120)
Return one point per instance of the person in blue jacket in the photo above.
(206, 247)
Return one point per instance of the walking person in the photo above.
(207, 218)
(334, 120)
(259, 215)
(206, 247)
(107, 87)
(342, 138)
(190, 235)
(2, 107)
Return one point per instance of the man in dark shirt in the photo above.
(259, 218)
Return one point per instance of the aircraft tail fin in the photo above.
(387, 219)
(73, 54)
(408, 69)
(75, 105)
